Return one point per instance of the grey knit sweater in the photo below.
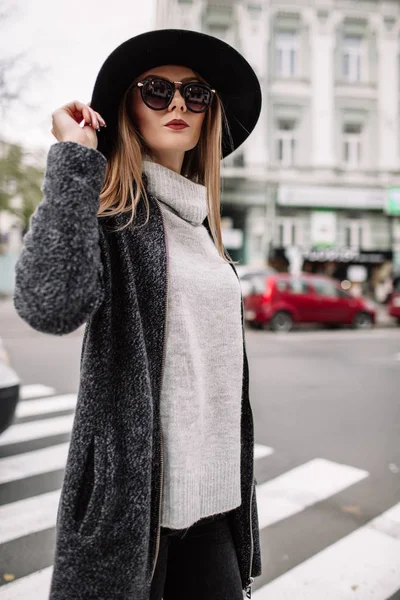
(202, 383)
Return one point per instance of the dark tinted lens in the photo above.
(157, 93)
(197, 97)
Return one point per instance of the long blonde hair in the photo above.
(123, 178)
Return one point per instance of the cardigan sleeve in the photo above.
(58, 275)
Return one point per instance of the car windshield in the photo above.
(324, 287)
(252, 274)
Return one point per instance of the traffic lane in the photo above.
(329, 394)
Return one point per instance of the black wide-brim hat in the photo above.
(223, 67)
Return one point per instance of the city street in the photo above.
(327, 460)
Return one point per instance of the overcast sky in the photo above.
(70, 39)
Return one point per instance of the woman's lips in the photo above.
(177, 126)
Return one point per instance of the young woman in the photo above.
(158, 498)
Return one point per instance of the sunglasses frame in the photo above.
(182, 86)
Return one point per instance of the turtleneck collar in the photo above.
(187, 198)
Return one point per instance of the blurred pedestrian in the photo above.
(158, 498)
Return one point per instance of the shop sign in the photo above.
(323, 229)
(393, 201)
(346, 255)
(331, 197)
(357, 273)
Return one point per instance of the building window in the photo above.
(353, 58)
(356, 234)
(254, 9)
(238, 159)
(352, 145)
(286, 54)
(286, 142)
(288, 232)
(218, 31)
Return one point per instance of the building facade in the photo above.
(314, 177)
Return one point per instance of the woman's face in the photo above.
(152, 124)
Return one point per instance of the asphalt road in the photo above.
(326, 408)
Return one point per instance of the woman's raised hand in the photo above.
(66, 124)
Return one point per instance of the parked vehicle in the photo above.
(283, 300)
(9, 389)
(250, 277)
(394, 302)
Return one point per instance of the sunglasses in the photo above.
(157, 93)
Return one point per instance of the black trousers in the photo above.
(197, 563)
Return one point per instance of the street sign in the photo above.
(393, 201)
(323, 229)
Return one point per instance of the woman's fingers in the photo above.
(81, 111)
(96, 119)
(98, 115)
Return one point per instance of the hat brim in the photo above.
(223, 67)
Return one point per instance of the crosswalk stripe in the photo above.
(363, 565)
(35, 587)
(28, 516)
(301, 487)
(35, 390)
(388, 522)
(260, 451)
(27, 464)
(36, 430)
(42, 406)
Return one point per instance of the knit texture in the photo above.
(75, 268)
(202, 385)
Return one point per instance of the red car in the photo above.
(394, 302)
(282, 300)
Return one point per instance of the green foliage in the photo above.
(19, 179)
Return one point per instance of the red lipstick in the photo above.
(177, 124)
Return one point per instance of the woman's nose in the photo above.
(177, 102)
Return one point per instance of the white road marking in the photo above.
(42, 406)
(32, 463)
(35, 390)
(301, 487)
(28, 516)
(363, 565)
(260, 451)
(36, 430)
(35, 587)
(388, 522)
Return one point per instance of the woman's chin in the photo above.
(171, 145)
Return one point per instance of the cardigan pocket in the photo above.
(90, 491)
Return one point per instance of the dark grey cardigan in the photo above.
(73, 270)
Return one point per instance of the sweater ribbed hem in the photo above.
(211, 489)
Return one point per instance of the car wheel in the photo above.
(362, 320)
(398, 321)
(281, 321)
